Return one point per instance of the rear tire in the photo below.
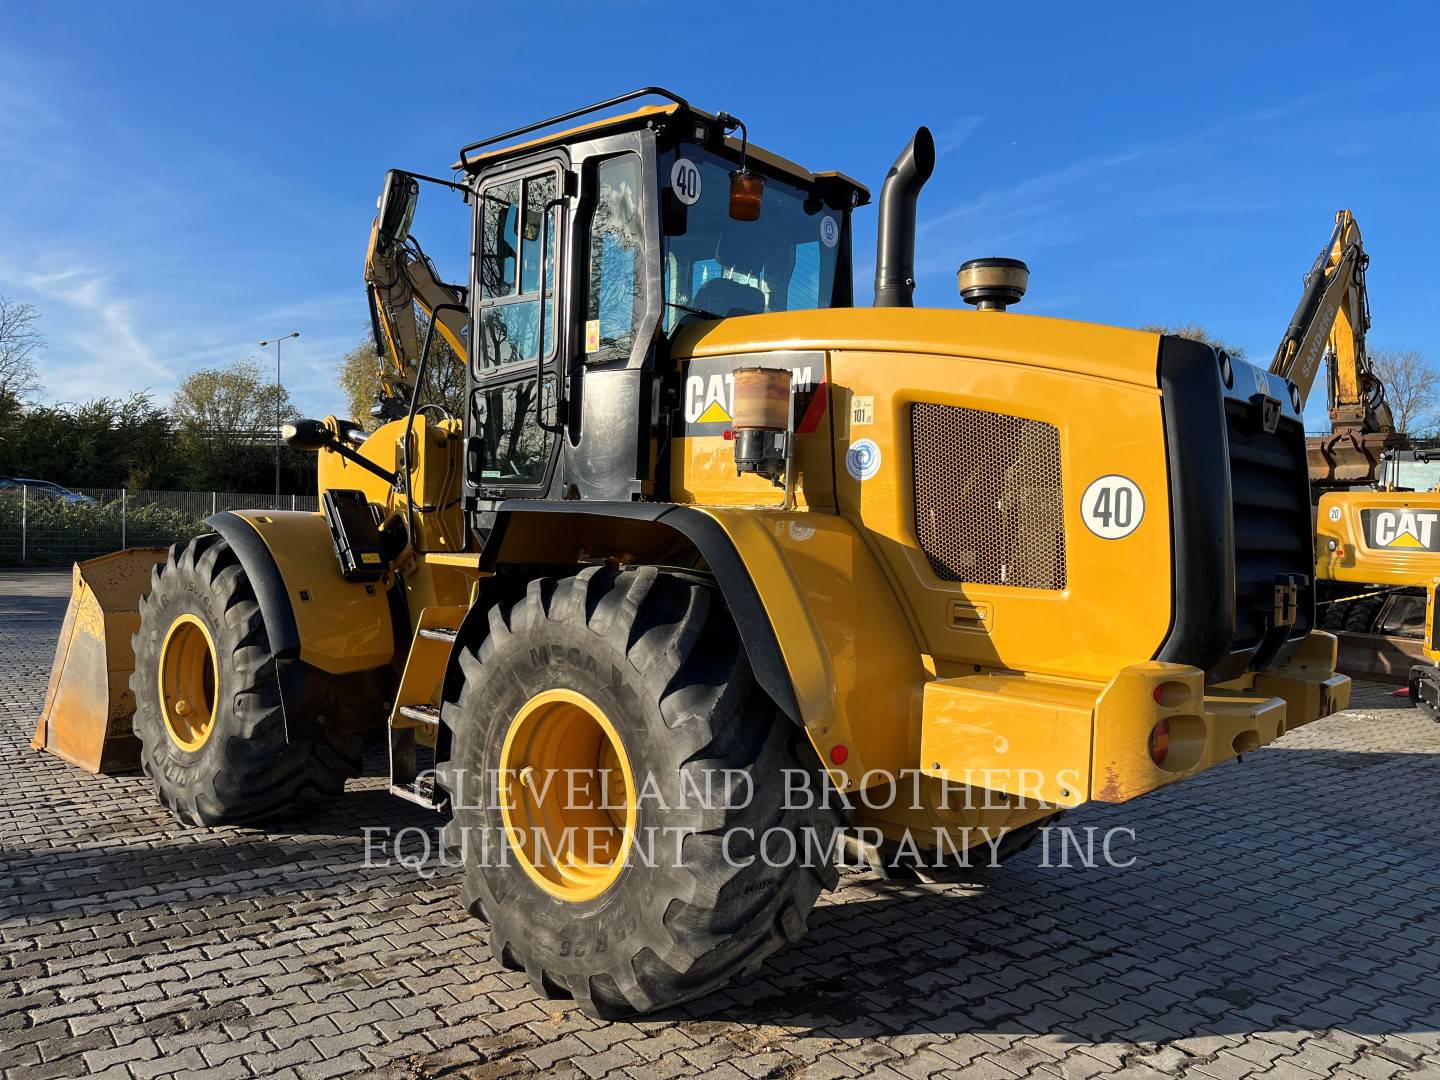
(658, 653)
(1360, 614)
(215, 746)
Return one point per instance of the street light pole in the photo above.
(265, 344)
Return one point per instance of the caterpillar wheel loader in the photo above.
(706, 520)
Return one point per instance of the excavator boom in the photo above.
(1330, 321)
(398, 277)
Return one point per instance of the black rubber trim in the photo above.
(265, 579)
(1202, 534)
(743, 599)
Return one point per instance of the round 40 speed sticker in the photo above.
(685, 179)
(1112, 506)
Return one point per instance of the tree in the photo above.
(444, 378)
(1412, 387)
(227, 421)
(1196, 332)
(107, 442)
(356, 377)
(20, 340)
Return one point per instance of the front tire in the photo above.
(207, 699)
(654, 659)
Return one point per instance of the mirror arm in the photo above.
(316, 436)
(338, 447)
(436, 180)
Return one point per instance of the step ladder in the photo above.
(415, 719)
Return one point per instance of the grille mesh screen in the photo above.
(988, 504)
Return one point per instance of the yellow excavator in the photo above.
(1329, 325)
(1377, 544)
(719, 573)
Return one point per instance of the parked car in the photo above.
(43, 489)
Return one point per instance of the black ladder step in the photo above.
(439, 633)
(422, 714)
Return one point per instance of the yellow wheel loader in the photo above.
(724, 574)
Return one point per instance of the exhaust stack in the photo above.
(895, 244)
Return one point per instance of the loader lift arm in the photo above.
(398, 276)
(1330, 322)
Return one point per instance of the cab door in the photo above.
(517, 345)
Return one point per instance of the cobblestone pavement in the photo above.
(1281, 919)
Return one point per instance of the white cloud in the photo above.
(954, 134)
(130, 297)
(101, 326)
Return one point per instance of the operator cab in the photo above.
(1410, 470)
(592, 247)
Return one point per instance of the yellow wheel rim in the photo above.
(567, 795)
(188, 680)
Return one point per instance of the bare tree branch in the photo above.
(20, 340)
(1412, 387)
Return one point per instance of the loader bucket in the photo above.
(89, 706)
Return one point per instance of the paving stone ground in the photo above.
(1281, 919)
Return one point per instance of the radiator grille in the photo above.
(988, 503)
(1273, 530)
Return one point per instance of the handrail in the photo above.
(645, 91)
(554, 204)
(410, 416)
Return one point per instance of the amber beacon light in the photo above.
(761, 423)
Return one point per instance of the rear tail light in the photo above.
(1160, 742)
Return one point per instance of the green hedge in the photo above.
(61, 532)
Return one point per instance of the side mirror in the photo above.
(397, 207)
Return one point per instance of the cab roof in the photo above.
(492, 151)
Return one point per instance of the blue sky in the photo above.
(182, 181)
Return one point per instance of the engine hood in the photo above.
(1106, 352)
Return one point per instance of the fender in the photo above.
(311, 612)
(295, 577)
(823, 630)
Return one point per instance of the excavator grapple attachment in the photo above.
(89, 706)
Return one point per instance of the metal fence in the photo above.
(39, 528)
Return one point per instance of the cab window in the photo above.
(716, 267)
(615, 297)
(515, 449)
(517, 234)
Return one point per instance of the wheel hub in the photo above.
(567, 795)
(188, 680)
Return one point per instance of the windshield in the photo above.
(1414, 475)
(715, 266)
